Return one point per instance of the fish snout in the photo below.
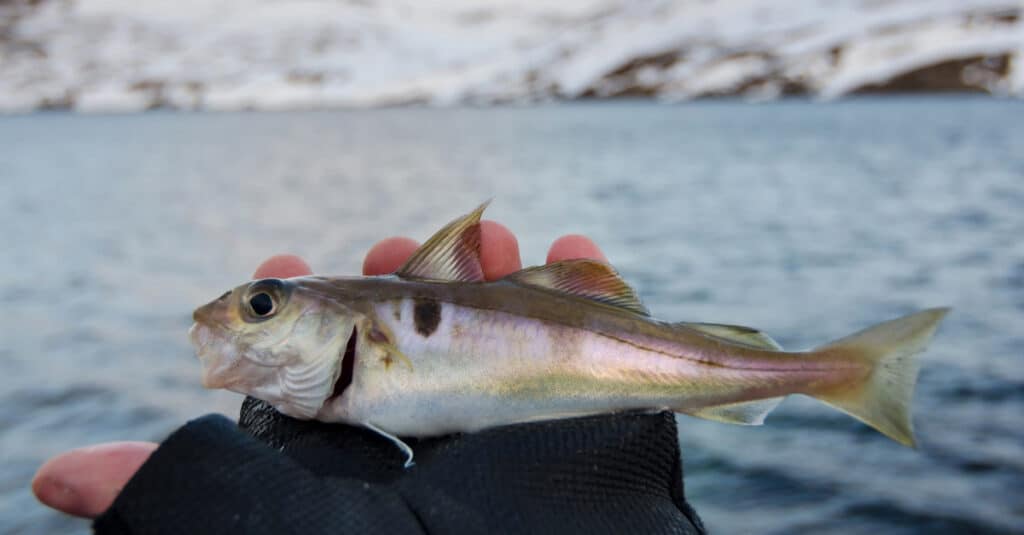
(212, 313)
(204, 314)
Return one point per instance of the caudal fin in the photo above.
(882, 400)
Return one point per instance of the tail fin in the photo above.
(883, 399)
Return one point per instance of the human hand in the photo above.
(85, 481)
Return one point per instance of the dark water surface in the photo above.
(807, 220)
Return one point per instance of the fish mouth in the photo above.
(203, 337)
(209, 346)
(348, 362)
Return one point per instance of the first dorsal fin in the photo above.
(584, 278)
(451, 254)
(735, 333)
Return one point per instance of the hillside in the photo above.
(125, 55)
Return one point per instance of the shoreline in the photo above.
(116, 56)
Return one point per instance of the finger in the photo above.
(85, 481)
(574, 246)
(386, 256)
(499, 250)
(282, 266)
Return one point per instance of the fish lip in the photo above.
(345, 370)
(205, 336)
(200, 335)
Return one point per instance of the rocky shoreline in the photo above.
(121, 56)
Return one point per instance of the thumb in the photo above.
(84, 482)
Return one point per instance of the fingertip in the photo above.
(84, 482)
(499, 250)
(53, 493)
(574, 246)
(387, 255)
(282, 266)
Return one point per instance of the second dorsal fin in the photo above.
(583, 278)
(451, 254)
(735, 333)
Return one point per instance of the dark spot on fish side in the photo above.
(348, 362)
(427, 314)
(397, 312)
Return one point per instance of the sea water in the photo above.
(807, 220)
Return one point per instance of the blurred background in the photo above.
(805, 167)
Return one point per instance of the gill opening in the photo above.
(348, 361)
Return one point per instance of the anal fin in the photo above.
(743, 413)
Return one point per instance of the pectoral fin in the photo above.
(381, 339)
(746, 413)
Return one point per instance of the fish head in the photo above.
(274, 340)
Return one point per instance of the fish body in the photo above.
(434, 349)
(498, 353)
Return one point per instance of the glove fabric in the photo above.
(271, 474)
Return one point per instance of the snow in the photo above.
(128, 55)
(880, 58)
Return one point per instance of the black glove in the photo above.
(602, 474)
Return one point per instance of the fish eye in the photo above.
(261, 304)
(263, 299)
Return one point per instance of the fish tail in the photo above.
(882, 398)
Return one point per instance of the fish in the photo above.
(434, 349)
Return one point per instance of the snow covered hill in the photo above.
(127, 55)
